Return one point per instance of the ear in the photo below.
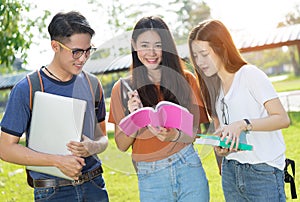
(55, 46)
(133, 44)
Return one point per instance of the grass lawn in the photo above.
(122, 182)
(120, 177)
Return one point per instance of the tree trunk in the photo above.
(295, 64)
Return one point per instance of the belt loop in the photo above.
(182, 153)
(181, 157)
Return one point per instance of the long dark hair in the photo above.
(220, 40)
(173, 84)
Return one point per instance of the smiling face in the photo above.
(64, 56)
(149, 49)
(205, 58)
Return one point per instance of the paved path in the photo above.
(290, 100)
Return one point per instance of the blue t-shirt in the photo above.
(17, 116)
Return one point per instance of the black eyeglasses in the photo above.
(225, 114)
(77, 53)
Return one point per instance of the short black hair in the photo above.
(64, 25)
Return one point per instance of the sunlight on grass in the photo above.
(289, 84)
(121, 180)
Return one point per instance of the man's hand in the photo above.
(70, 165)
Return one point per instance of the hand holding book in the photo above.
(166, 114)
(216, 141)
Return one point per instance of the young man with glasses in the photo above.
(71, 37)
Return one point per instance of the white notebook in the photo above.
(56, 120)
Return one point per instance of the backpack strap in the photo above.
(95, 88)
(288, 178)
(35, 84)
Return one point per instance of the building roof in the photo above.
(284, 36)
(7, 82)
(245, 42)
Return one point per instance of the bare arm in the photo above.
(277, 119)
(123, 141)
(13, 152)
(88, 147)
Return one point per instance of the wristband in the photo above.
(179, 134)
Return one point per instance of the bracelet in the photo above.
(136, 134)
(179, 134)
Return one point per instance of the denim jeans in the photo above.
(180, 177)
(252, 182)
(91, 191)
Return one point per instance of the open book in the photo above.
(166, 114)
(216, 141)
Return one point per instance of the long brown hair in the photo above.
(173, 85)
(220, 40)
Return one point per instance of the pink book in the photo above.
(165, 114)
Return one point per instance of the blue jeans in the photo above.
(252, 182)
(180, 177)
(93, 190)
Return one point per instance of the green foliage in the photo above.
(16, 31)
(189, 13)
(267, 58)
(292, 18)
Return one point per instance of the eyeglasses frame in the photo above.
(224, 109)
(73, 51)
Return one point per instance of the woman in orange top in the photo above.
(168, 167)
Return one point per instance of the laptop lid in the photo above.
(56, 120)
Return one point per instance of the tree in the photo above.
(16, 31)
(292, 18)
(189, 14)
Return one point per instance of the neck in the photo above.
(154, 75)
(226, 80)
(56, 74)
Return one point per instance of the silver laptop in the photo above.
(56, 120)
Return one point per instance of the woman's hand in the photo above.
(165, 134)
(134, 101)
(232, 132)
(222, 151)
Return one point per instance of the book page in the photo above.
(166, 114)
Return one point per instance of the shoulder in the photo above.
(91, 77)
(21, 86)
(251, 69)
(116, 87)
(250, 72)
(191, 78)
(189, 75)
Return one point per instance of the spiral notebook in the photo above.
(56, 120)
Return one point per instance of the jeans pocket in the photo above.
(193, 160)
(262, 168)
(43, 193)
(98, 182)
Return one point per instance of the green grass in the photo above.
(120, 177)
(289, 84)
(121, 181)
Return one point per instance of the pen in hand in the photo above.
(130, 90)
(126, 85)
